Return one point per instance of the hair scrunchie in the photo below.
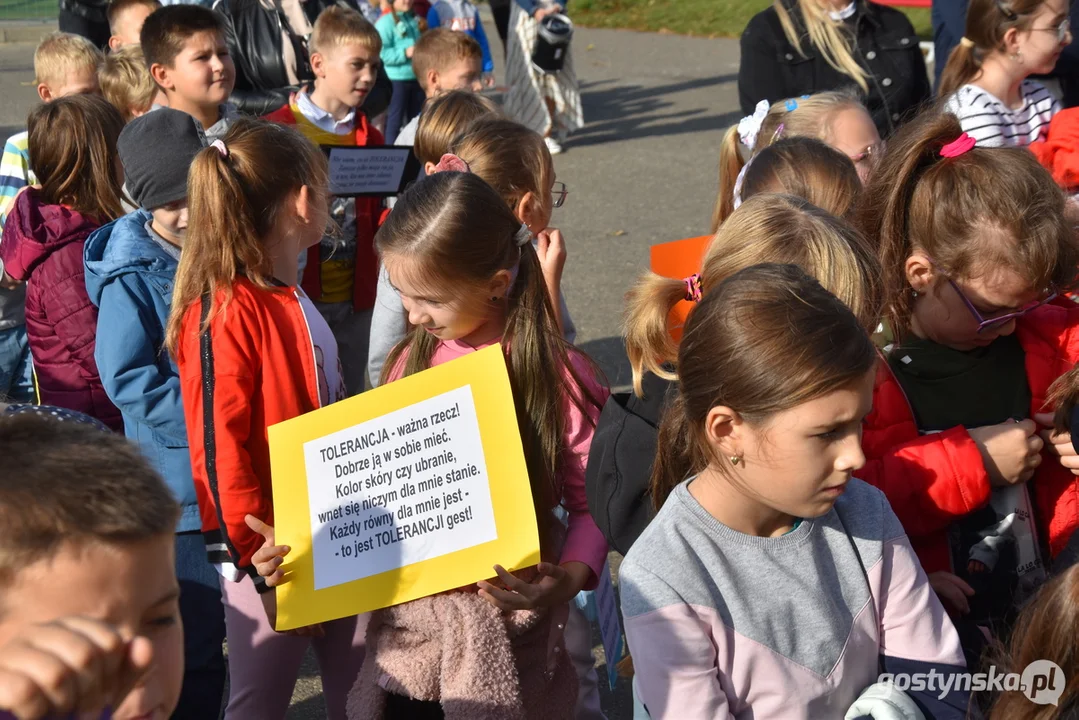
(694, 292)
(451, 163)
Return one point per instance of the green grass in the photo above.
(28, 9)
(705, 18)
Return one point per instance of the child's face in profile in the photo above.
(347, 72)
(170, 221)
(131, 587)
(77, 81)
(854, 134)
(203, 72)
(465, 74)
(402, 5)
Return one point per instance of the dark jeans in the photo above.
(204, 631)
(405, 104)
(96, 32)
(949, 25)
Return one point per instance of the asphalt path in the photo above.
(642, 171)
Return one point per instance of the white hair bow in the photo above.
(750, 126)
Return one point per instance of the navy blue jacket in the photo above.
(129, 277)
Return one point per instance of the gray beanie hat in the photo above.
(157, 150)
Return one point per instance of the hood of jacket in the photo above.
(123, 246)
(41, 229)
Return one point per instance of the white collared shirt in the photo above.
(324, 120)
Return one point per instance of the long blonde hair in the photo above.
(830, 37)
(795, 117)
(766, 228)
(234, 203)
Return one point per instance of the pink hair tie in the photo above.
(962, 144)
(219, 145)
(693, 287)
(451, 163)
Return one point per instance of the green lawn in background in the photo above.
(28, 9)
(707, 18)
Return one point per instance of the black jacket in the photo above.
(620, 462)
(884, 45)
(253, 34)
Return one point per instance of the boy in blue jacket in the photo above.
(130, 269)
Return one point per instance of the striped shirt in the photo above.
(15, 172)
(993, 124)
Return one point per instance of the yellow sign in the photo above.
(410, 489)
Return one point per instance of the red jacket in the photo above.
(1059, 151)
(43, 247)
(933, 480)
(259, 366)
(369, 215)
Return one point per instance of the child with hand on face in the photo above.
(90, 624)
(340, 273)
(130, 275)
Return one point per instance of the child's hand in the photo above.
(554, 584)
(952, 590)
(551, 249)
(69, 665)
(268, 559)
(409, 51)
(488, 80)
(1011, 451)
(1059, 444)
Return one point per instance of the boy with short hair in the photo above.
(126, 83)
(185, 49)
(462, 16)
(340, 277)
(443, 60)
(125, 21)
(64, 64)
(89, 605)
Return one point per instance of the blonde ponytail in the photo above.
(649, 344)
(730, 165)
(830, 38)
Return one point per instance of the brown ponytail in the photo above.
(455, 231)
(234, 202)
(917, 200)
(738, 350)
(766, 228)
(987, 23)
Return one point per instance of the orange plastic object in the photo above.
(679, 259)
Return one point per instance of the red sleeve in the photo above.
(230, 482)
(930, 481)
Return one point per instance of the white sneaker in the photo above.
(553, 146)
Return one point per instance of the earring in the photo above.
(914, 293)
(735, 459)
(1017, 56)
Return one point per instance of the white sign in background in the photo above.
(354, 171)
(398, 489)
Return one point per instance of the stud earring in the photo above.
(1018, 56)
(735, 459)
(914, 294)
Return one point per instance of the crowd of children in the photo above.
(855, 460)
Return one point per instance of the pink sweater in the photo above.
(584, 541)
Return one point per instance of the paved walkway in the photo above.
(641, 172)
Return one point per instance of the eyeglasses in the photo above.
(1061, 30)
(990, 323)
(559, 193)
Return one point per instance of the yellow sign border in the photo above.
(517, 544)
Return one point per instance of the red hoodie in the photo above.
(42, 247)
(933, 480)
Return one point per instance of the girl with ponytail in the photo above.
(766, 228)
(985, 82)
(469, 276)
(761, 518)
(252, 350)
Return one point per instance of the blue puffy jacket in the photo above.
(129, 277)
